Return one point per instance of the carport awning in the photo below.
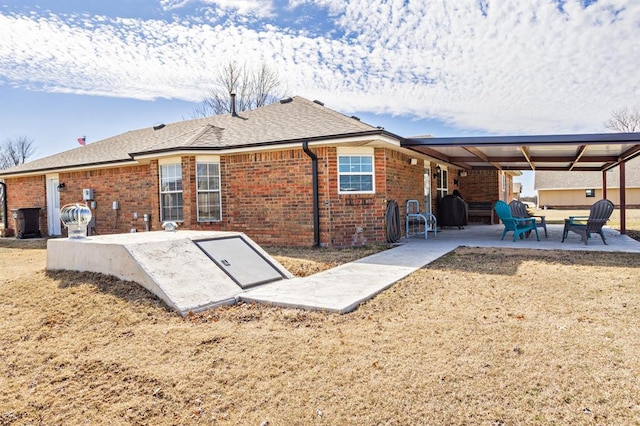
(576, 152)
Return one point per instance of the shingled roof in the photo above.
(287, 121)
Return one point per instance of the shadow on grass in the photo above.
(107, 284)
(24, 244)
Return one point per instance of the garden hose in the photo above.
(394, 230)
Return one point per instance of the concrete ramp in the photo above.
(188, 270)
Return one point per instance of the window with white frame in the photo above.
(442, 181)
(355, 171)
(171, 205)
(208, 188)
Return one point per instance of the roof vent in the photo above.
(286, 100)
(355, 118)
(233, 104)
(318, 102)
(158, 126)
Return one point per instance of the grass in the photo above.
(480, 336)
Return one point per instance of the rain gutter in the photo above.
(316, 211)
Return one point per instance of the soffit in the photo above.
(583, 152)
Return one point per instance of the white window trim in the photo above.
(443, 189)
(166, 162)
(362, 152)
(208, 160)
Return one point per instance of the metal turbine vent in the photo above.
(76, 218)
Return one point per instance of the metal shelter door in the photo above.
(240, 261)
(53, 207)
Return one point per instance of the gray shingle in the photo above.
(275, 123)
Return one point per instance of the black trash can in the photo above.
(28, 222)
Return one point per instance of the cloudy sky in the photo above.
(467, 67)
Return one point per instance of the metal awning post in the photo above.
(623, 199)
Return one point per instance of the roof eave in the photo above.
(267, 144)
(76, 167)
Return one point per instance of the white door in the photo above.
(427, 189)
(53, 207)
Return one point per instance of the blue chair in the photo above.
(520, 226)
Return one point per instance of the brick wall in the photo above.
(266, 195)
(404, 182)
(358, 219)
(132, 187)
(26, 192)
(352, 219)
(485, 185)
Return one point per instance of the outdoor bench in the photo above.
(480, 208)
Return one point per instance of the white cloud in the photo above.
(257, 8)
(512, 66)
(262, 8)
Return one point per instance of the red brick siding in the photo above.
(266, 195)
(132, 187)
(484, 185)
(404, 182)
(27, 192)
(345, 214)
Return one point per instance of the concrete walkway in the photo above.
(343, 288)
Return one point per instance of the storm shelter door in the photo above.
(53, 207)
(238, 259)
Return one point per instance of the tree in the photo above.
(624, 120)
(16, 151)
(253, 87)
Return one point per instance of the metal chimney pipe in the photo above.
(233, 105)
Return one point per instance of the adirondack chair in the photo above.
(599, 214)
(519, 209)
(519, 226)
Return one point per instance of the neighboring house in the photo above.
(251, 172)
(578, 190)
(517, 189)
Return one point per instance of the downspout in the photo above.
(4, 205)
(316, 211)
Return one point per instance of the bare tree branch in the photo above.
(16, 151)
(624, 120)
(253, 88)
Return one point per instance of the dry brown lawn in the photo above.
(481, 336)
